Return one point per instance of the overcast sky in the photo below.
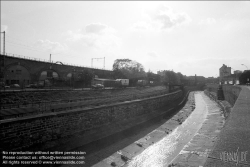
(188, 37)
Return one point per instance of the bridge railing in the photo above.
(47, 61)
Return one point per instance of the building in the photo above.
(224, 71)
(227, 78)
(237, 72)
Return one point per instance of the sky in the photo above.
(191, 37)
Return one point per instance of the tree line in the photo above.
(127, 69)
(133, 70)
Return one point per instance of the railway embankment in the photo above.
(65, 130)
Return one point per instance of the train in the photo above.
(114, 83)
(118, 83)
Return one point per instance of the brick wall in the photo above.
(36, 67)
(52, 129)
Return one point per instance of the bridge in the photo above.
(24, 70)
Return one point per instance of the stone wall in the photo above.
(53, 129)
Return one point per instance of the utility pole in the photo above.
(98, 59)
(2, 68)
(50, 58)
(3, 42)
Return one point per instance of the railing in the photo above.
(47, 61)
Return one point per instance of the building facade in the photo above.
(224, 71)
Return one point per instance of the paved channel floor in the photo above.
(187, 144)
(190, 143)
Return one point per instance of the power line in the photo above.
(3, 42)
(18, 43)
(15, 38)
(29, 46)
(26, 47)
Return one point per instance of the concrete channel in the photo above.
(105, 147)
(183, 139)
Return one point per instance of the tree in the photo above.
(170, 78)
(86, 77)
(129, 69)
(245, 77)
(153, 77)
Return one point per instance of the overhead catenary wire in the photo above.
(21, 43)
(26, 47)
(40, 49)
(14, 38)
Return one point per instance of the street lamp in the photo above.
(245, 66)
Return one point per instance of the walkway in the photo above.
(233, 146)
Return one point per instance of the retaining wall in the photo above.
(230, 92)
(49, 130)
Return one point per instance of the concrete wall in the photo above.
(73, 128)
(230, 92)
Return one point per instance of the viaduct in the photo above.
(21, 70)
